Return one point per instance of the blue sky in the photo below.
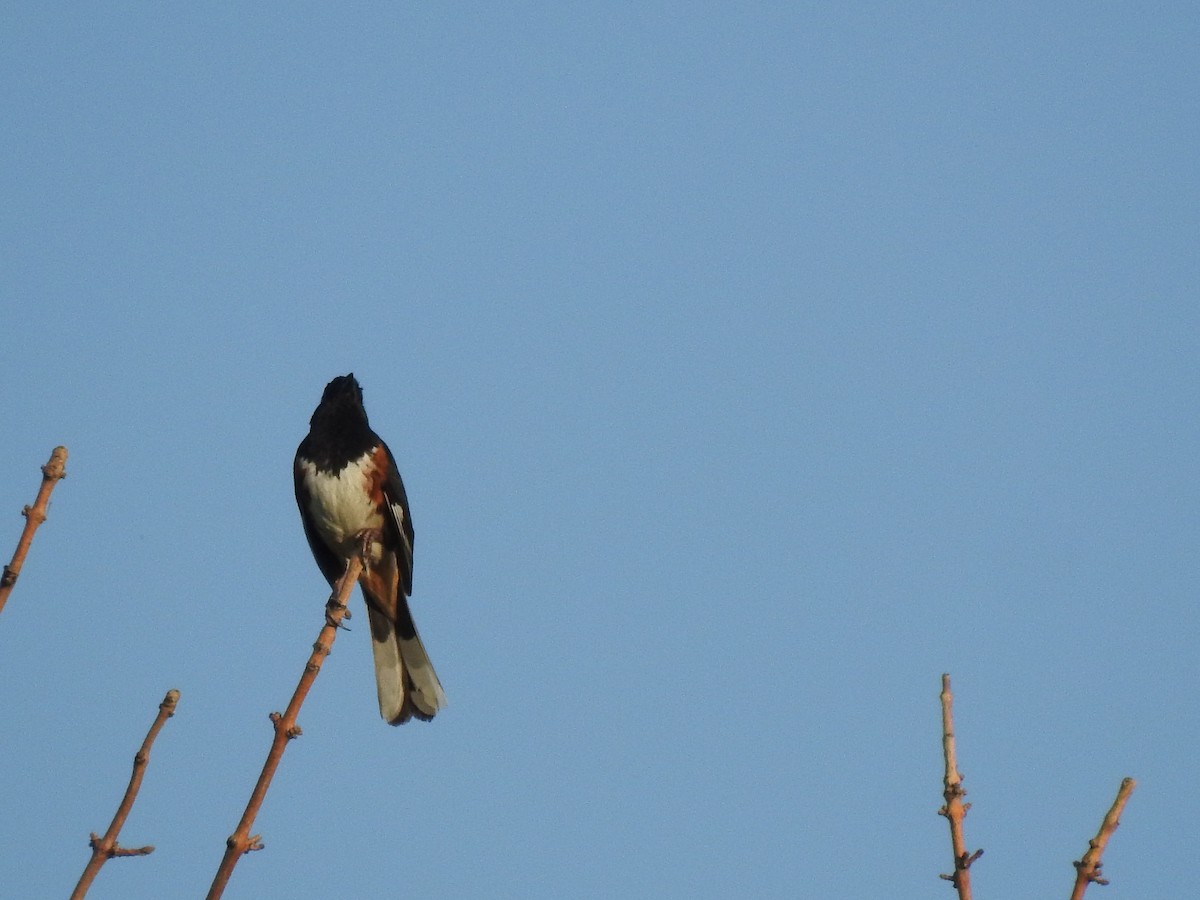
(747, 370)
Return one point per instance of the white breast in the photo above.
(340, 504)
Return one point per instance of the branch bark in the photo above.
(1087, 870)
(955, 810)
(105, 848)
(241, 841)
(52, 472)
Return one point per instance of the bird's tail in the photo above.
(407, 684)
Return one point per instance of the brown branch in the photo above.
(955, 810)
(52, 472)
(105, 848)
(241, 841)
(1087, 869)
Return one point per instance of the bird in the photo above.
(352, 501)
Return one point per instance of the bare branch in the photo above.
(105, 848)
(241, 841)
(955, 810)
(52, 472)
(1087, 870)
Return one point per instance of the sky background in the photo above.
(748, 368)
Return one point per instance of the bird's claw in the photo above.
(332, 608)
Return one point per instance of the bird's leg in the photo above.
(366, 538)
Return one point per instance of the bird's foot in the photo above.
(332, 608)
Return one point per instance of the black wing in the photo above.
(401, 521)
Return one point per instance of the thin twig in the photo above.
(1087, 870)
(105, 848)
(52, 472)
(955, 810)
(241, 841)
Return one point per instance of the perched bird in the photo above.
(350, 495)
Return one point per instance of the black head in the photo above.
(342, 395)
(344, 387)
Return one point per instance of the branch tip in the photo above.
(34, 515)
(1087, 869)
(135, 851)
(105, 848)
(954, 810)
(56, 467)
